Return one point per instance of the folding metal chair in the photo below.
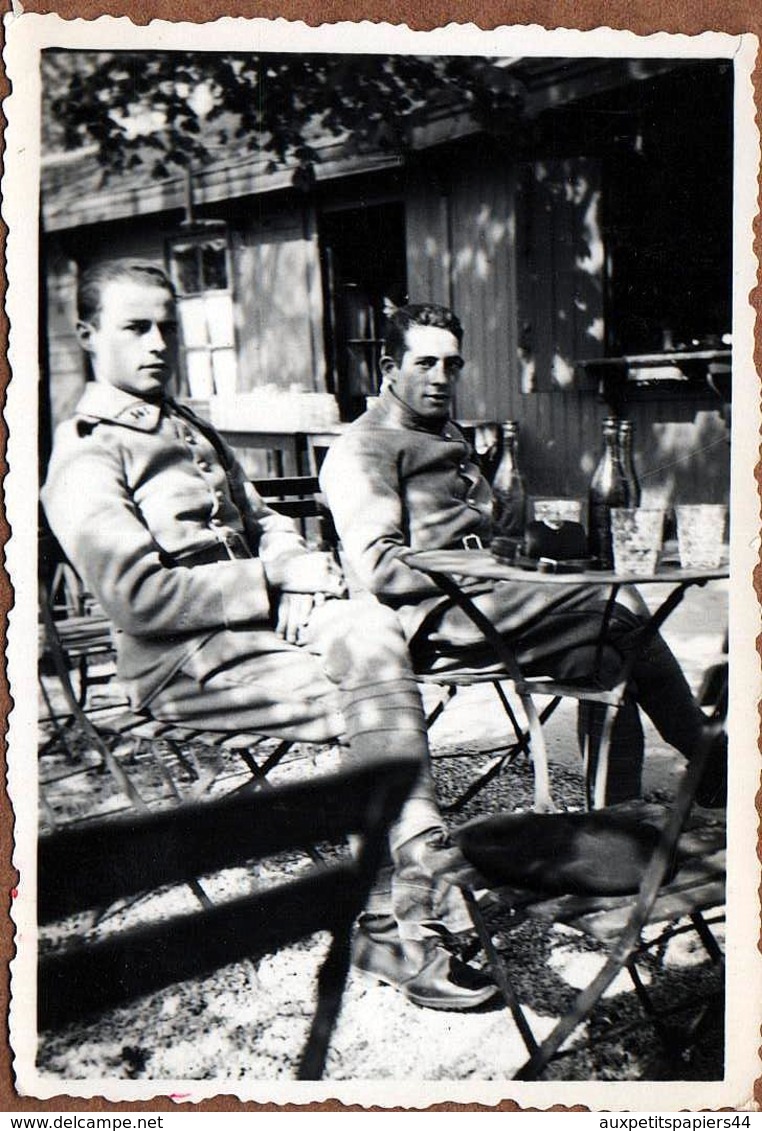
(299, 497)
(70, 641)
(681, 878)
(87, 866)
(82, 626)
(526, 739)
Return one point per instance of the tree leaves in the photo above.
(168, 110)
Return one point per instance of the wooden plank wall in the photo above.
(427, 240)
(518, 253)
(559, 264)
(483, 236)
(66, 365)
(279, 302)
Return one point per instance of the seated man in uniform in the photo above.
(223, 618)
(403, 476)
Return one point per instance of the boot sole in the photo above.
(474, 1001)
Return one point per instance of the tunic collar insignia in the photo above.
(105, 402)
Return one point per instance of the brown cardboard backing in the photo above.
(640, 16)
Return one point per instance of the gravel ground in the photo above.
(247, 1021)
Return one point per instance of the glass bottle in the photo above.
(509, 491)
(608, 488)
(628, 465)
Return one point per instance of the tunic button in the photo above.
(215, 521)
(203, 465)
(190, 438)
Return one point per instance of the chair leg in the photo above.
(169, 781)
(667, 1035)
(581, 1010)
(259, 773)
(678, 1042)
(79, 717)
(497, 765)
(498, 972)
(710, 944)
(84, 685)
(47, 809)
(434, 714)
(164, 771)
(518, 730)
(60, 731)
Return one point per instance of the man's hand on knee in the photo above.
(294, 611)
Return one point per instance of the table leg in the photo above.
(595, 791)
(649, 630)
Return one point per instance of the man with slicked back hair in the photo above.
(224, 619)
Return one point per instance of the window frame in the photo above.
(198, 235)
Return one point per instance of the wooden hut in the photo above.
(587, 252)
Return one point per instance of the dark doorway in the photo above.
(364, 267)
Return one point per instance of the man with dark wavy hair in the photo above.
(403, 476)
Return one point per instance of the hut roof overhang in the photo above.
(75, 192)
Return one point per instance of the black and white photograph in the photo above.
(382, 429)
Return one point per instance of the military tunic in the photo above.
(394, 480)
(137, 494)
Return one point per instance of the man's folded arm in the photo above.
(360, 484)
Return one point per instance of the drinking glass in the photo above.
(636, 534)
(700, 530)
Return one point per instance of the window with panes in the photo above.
(201, 272)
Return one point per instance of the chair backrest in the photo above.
(299, 497)
(88, 866)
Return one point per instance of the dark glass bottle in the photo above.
(509, 507)
(608, 488)
(628, 465)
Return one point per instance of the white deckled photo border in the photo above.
(29, 34)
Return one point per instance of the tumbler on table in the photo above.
(700, 534)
